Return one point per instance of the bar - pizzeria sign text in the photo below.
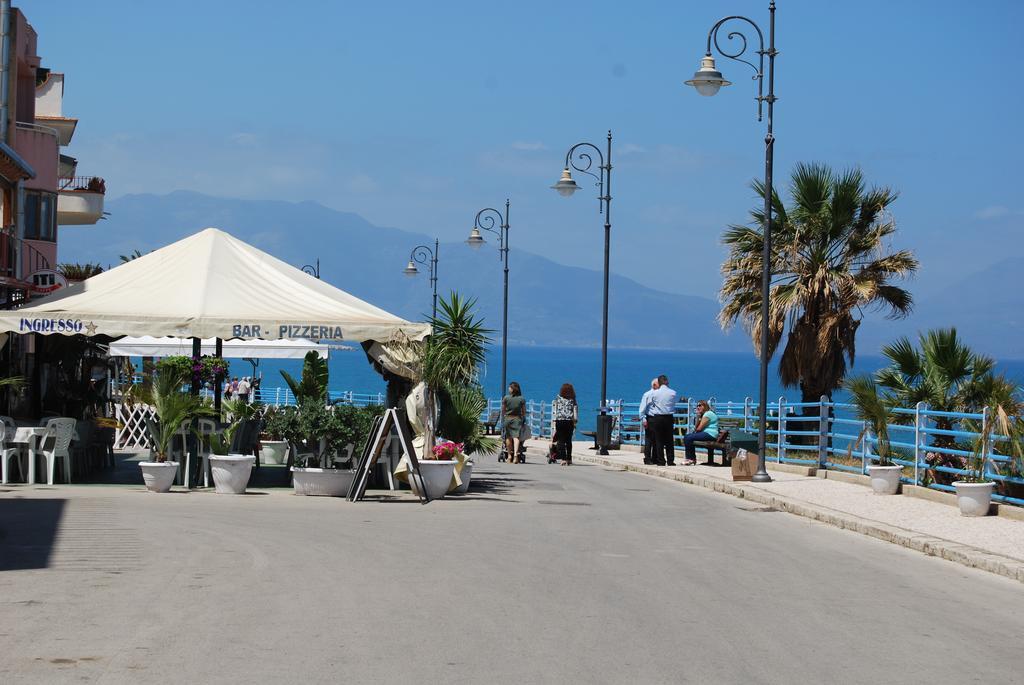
(311, 331)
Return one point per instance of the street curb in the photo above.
(932, 546)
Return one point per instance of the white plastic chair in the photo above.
(9, 451)
(55, 443)
(207, 427)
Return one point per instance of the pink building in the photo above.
(40, 187)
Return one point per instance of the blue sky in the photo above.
(416, 115)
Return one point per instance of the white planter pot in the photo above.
(885, 480)
(273, 451)
(322, 482)
(437, 476)
(158, 475)
(974, 499)
(231, 472)
(465, 475)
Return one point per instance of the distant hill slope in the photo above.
(549, 303)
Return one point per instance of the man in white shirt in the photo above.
(659, 414)
(645, 405)
(243, 389)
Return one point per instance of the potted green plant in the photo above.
(873, 410)
(173, 408)
(273, 444)
(324, 459)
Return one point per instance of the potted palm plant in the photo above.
(173, 408)
(1002, 428)
(460, 423)
(230, 472)
(450, 367)
(872, 409)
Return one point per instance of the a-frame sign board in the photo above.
(382, 425)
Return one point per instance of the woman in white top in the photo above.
(565, 413)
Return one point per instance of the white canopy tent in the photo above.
(148, 346)
(210, 285)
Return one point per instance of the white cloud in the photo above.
(530, 147)
(630, 149)
(994, 212)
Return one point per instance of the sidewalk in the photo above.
(991, 543)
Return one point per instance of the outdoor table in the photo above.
(29, 436)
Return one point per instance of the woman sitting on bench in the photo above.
(705, 430)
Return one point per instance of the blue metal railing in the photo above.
(831, 437)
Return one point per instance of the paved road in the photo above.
(547, 574)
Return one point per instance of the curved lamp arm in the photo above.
(736, 53)
(583, 161)
(492, 220)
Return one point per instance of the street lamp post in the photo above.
(422, 254)
(582, 161)
(485, 220)
(707, 81)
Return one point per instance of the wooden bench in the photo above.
(728, 429)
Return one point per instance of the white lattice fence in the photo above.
(134, 434)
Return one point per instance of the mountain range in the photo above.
(549, 303)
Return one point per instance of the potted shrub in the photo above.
(273, 444)
(173, 408)
(873, 410)
(324, 463)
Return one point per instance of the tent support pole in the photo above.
(218, 380)
(191, 480)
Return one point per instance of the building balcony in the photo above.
(80, 200)
(64, 126)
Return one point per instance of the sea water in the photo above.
(541, 371)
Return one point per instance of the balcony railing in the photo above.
(13, 249)
(87, 184)
(37, 128)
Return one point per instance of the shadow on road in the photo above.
(28, 529)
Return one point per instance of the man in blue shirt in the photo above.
(662, 404)
(645, 405)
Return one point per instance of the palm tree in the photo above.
(79, 272)
(314, 383)
(456, 348)
(873, 409)
(830, 262)
(944, 373)
(450, 368)
(173, 408)
(948, 376)
(135, 254)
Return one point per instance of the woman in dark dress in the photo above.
(514, 408)
(565, 412)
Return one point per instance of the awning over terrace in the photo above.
(210, 285)
(148, 346)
